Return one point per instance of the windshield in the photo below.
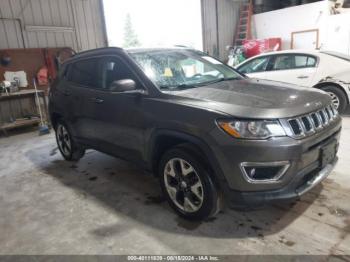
(173, 70)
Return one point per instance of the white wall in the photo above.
(334, 30)
(337, 33)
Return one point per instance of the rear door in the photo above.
(82, 78)
(298, 69)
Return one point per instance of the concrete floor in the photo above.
(103, 205)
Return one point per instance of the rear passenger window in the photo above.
(84, 73)
(289, 61)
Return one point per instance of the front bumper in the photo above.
(304, 173)
(303, 182)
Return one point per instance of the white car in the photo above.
(329, 71)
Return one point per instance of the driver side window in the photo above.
(256, 65)
(114, 69)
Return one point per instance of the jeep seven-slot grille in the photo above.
(311, 123)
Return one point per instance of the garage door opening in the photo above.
(153, 23)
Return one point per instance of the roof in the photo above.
(156, 49)
(110, 50)
(291, 51)
(98, 51)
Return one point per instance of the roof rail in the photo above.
(96, 49)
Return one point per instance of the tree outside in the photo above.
(130, 36)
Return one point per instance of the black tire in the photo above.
(333, 90)
(72, 153)
(211, 200)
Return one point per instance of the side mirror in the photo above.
(123, 85)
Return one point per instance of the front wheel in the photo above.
(69, 149)
(338, 97)
(187, 185)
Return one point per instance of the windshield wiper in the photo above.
(187, 86)
(178, 87)
(218, 80)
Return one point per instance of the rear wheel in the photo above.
(69, 149)
(338, 97)
(187, 185)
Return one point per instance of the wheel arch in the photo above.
(340, 87)
(163, 139)
(54, 119)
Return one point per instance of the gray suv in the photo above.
(206, 131)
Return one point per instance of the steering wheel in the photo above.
(219, 75)
(198, 75)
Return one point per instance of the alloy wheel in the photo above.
(63, 140)
(335, 99)
(183, 185)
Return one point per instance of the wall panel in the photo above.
(84, 17)
(219, 20)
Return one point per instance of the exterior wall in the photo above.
(219, 22)
(281, 23)
(334, 30)
(52, 23)
(337, 32)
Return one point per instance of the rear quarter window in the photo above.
(305, 61)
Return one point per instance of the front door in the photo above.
(117, 119)
(255, 68)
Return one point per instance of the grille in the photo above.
(311, 123)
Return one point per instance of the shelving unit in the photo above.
(19, 109)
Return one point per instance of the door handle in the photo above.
(303, 77)
(97, 100)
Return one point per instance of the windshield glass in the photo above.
(173, 70)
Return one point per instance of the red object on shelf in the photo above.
(259, 46)
(43, 76)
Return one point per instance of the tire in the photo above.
(338, 97)
(70, 149)
(187, 185)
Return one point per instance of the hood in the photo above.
(255, 98)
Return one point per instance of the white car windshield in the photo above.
(176, 69)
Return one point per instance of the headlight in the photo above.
(252, 129)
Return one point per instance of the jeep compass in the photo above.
(206, 131)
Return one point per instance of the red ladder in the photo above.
(243, 30)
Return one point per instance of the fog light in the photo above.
(265, 172)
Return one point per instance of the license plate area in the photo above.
(328, 153)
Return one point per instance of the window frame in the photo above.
(68, 71)
(139, 82)
(99, 58)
